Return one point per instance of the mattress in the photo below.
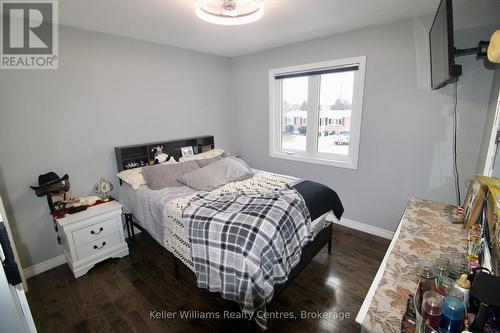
(159, 212)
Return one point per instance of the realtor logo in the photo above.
(29, 37)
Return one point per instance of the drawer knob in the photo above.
(92, 232)
(99, 247)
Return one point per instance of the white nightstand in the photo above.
(92, 236)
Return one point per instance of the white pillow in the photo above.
(171, 160)
(133, 177)
(202, 156)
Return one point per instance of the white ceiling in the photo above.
(173, 22)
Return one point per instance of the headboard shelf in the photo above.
(142, 154)
(132, 157)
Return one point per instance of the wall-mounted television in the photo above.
(443, 67)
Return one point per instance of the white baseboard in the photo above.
(365, 228)
(60, 260)
(44, 266)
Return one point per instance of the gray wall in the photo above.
(405, 145)
(113, 91)
(108, 91)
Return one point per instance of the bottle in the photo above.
(408, 322)
(443, 265)
(473, 267)
(444, 283)
(454, 292)
(463, 284)
(459, 266)
(453, 315)
(432, 307)
(427, 276)
(426, 279)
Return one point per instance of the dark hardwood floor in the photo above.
(118, 294)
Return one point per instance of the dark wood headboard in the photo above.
(143, 155)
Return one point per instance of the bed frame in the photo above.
(142, 154)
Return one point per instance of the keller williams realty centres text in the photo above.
(196, 314)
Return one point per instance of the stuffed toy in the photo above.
(160, 156)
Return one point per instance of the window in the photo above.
(327, 97)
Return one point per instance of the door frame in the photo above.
(489, 162)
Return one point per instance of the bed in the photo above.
(160, 212)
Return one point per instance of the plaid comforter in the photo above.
(243, 243)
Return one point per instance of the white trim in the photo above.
(371, 292)
(44, 266)
(3, 218)
(313, 99)
(348, 164)
(19, 297)
(369, 229)
(310, 156)
(492, 145)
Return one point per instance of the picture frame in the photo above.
(187, 151)
(474, 202)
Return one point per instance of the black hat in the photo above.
(50, 178)
(50, 183)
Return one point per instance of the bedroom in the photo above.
(157, 73)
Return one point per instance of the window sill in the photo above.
(349, 164)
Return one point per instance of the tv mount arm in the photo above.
(478, 50)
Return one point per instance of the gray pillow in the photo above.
(207, 161)
(165, 175)
(216, 174)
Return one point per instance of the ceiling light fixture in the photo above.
(230, 12)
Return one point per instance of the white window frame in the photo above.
(311, 155)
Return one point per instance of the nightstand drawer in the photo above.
(97, 246)
(95, 231)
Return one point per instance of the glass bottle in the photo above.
(432, 307)
(463, 284)
(452, 319)
(443, 283)
(427, 276)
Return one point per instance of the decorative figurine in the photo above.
(160, 156)
(103, 187)
(131, 165)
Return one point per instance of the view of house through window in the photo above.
(295, 92)
(334, 121)
(335, 112)
(316, 112)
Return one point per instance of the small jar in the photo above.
(452, 319)
(454, 292)
(444, 283)
(443, 265)
(432, 307)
